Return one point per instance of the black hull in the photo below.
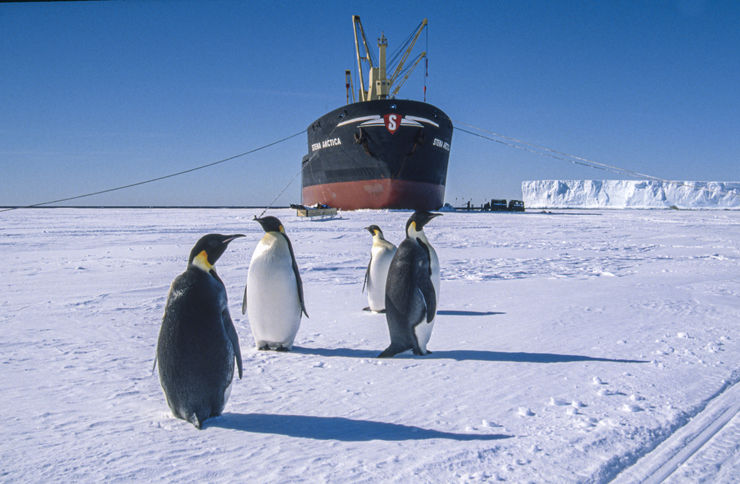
(378, 154)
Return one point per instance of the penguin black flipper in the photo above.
(231, 333)
(430, 298)
(367, 274)
(298, 281)
(244, 300)
(427, 252)
(424, 282)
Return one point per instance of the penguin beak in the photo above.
(431, 216)
(232, 237)
(260, 221)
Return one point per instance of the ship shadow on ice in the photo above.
(335, 428)
(465, 355)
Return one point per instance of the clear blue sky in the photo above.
(96, 95)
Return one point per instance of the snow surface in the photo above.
(569, 347)
(630, 194)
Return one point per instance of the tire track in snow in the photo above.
(701, 431)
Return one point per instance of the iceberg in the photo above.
(631, 194)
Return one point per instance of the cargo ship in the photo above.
(378, 152)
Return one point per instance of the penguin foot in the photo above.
(193, 419)
(263, 347)
(282, 348)
(391, 351)
(379, 311)
(421, 352)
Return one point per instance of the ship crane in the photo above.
(379, 85)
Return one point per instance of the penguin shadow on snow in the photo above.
(456, 312)
(341, 352)
(465, 355)
(335, 428)
(520, 357)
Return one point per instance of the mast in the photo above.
(379, 83)
(348, 85)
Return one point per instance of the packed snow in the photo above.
(580, 346)
(630, 194)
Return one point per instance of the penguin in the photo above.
(424, 331)
(410, 296)
(273, 296)
(197, 342)
(381, 254)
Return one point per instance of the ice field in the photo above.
(572, 346)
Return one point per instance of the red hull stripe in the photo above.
(381, 193)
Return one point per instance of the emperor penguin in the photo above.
(410, 296)
(197, 342)
(273, 296)
(381, 254)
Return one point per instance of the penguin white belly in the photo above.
(273, 304)
(381, 261)
(423, 332)
(227, 393)
(434, 266)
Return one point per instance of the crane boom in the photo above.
(406, 54)
(357, 24)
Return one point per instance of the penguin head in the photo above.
(208, 249)
(271, 224)
(418, 220)
(375, 230)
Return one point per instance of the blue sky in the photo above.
(97, 95)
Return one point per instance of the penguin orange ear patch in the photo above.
(201, 261)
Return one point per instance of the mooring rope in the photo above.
(269, 205)
(559, 155)
(164, 177)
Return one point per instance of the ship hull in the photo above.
(378, 154)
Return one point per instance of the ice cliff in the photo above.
(630, 194)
